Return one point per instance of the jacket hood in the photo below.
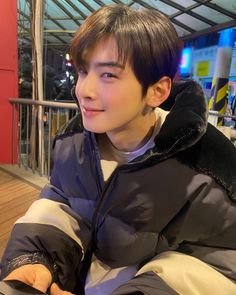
(185, 125)
(186, 122)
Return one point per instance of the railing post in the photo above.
(41, 140)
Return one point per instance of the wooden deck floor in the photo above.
(15, 198)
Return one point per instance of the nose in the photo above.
(86, 87)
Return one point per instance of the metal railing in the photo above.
(229, 124)
(35, 124)
(216, 114)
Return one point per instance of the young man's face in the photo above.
(109, 95)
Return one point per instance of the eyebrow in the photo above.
(109, 64)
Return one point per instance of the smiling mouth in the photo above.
(91, 112)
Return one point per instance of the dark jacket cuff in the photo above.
(31, 258)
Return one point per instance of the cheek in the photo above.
(77, 101)
(116, 106)
(77, 90)
(119, 97)
(125, 99)
(77, 95)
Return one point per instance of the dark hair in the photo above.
(146, 38)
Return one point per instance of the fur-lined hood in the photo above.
(187, 120)
(188, 136)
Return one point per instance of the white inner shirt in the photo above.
(111, 157)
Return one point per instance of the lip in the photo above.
(90, 112)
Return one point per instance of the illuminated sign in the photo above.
(186, 61)
(203, 68)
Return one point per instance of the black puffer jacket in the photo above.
(180, 196)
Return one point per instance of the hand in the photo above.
(35, 275)
(55, 290)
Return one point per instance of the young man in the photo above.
(141, 200)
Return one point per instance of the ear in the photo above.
(158, 92)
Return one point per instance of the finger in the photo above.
(41, 286)
(43, 279)
(55, 290)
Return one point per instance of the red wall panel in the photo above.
(8, 75)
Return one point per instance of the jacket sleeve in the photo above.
(145, 284)
(205, 227)
(50, 233)
(202, 235)
(187, 274)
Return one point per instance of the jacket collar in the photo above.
(186, 122)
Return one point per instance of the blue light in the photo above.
(185, 62)
(227, 38)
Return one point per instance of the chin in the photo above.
(95, 129)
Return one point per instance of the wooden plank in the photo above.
(15, 198)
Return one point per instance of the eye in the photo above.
(108, 75)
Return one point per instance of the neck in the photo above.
(132, 138)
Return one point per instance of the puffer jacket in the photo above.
(179, 196)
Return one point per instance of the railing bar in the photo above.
(222, 115)
(33, 156)
(58, 118)
(27, 136)
(19, 135)
(13, 133)
(40, 138)
(53, 104)
(49, 140)
(67, 115)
